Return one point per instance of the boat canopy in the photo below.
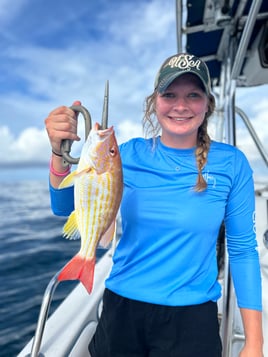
(219, 31)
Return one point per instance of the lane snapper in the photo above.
(98, 186)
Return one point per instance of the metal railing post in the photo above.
(39, 332)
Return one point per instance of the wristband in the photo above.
(55, 153)
(56, 173)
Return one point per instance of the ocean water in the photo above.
(32, 250)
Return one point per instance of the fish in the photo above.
(98, 186)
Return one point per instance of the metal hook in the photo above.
(104, 122)
(66, 144)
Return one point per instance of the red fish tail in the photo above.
(87, 274)
(79, 268)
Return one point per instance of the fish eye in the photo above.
(112, 151)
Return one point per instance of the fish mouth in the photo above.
(103, 133)
(106, 132)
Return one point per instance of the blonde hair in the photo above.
(152, 128)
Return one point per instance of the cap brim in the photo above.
(163, 85)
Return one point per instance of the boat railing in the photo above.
(230, 333)
(52, 335)
(253, 134)
(43, 314)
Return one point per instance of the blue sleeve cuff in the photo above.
(61, 200)
(247, 282)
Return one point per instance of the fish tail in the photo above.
(79, 268)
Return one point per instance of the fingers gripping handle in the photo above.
(66, 144)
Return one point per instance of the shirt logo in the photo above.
(210, 179)
(254, 221)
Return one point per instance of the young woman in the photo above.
(179, 186)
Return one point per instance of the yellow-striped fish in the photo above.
(97, 196)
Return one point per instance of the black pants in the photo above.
(130, 328)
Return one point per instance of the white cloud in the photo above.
(140, 25)
(6, 140)
(30, 146)
(127, 130)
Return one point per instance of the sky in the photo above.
(56, 52)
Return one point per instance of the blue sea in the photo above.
(32, 250)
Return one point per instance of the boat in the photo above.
(231, 36)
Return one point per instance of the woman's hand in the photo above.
(251, 352)
(252, 322)
(61, 124)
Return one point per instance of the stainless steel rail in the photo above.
(43, 314)
(253, 134)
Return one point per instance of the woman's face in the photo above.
(180, 111)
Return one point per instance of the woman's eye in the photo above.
(194, 95)
(168, 95)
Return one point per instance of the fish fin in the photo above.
(108, 235)
(79, 268)
(68, 180)
(84, 171)
(70, 229)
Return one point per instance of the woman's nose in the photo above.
(180, 104)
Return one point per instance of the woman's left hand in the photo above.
(252, 321)
(253, 351)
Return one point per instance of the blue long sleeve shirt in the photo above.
(167, 252)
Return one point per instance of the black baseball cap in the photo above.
(180, 64)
